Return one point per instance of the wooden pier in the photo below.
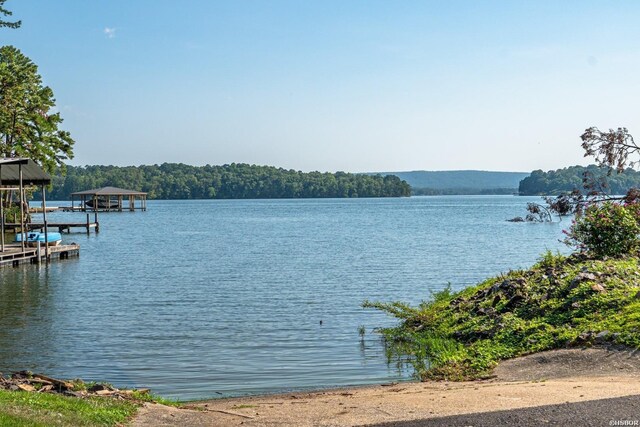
(14, 255)
(15, 174)
(63, 227)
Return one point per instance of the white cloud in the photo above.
(109, 32)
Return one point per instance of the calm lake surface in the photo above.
(212, 298)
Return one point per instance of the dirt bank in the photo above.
(547, 378)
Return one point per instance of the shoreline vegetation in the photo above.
(560, 302)
(566, 180)
(233, 181)
(28, 399)
(176, 181)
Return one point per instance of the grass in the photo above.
(559, 302)
(22, 409)
(19, 408)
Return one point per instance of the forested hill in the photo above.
(568, 179)
(461, 181)
(234, 181)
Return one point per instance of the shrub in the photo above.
(12, 214)
(607, 229)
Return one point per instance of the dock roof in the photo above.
(109, 191)
(32, 173)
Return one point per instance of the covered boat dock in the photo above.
(15, 175)
(109, 199)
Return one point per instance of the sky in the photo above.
(352, 85)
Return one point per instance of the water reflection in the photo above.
(27, 315)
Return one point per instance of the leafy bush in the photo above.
(607, 229)
(12, 214)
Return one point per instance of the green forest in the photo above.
(234, 181)
(567, 179)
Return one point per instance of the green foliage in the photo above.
(607, 229)
(5, 12)
(12, 214)
(568, 179)
(234, 181)
(28, 123)
(559, 302)
(42, 409)
(550, 260)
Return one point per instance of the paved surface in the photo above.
(622, 411)
(590, 387)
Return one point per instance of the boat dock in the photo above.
(15, 174)
(62, 227)
(13, 254)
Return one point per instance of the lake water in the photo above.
(212, 298)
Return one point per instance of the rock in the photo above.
(602, 337)
(495, 301)
(513, 302)
(507, 287)
(516, 219)
(585, 276)
(598, 288)
(584, 338)
(582, 277)
(486, 311)
(480, 295)
(98, 387)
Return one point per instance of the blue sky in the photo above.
(336, 85)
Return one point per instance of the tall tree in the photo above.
(5, 12)
(28, 122)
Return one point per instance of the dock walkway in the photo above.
(13, 254)
(63, 227)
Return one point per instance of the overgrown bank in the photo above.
(559, 302)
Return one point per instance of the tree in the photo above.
(6, 12)
(28, 124)
(605, 224)
(610, 149)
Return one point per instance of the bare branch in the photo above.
(610, 149)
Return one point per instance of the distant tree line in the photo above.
(573, 178)
(234, 181)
